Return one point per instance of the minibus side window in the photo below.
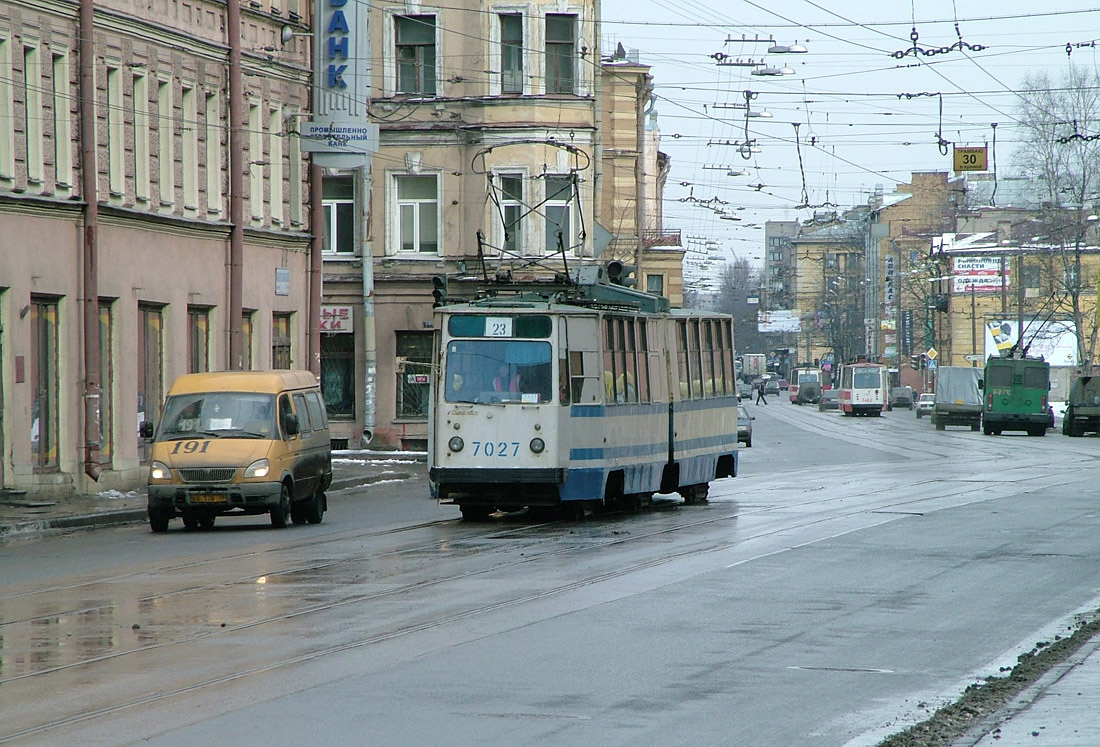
(284, 410)
(316, 410)
(305, 424)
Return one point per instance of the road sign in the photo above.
(932, 365)
(970, 159)
(931, 354)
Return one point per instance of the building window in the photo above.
(275, 158)
(189, 134)
(418, 214)
(559, 194)
(32, 74)
(655, 284)
(166, 144)
(106, 384)
(150, 360)
(512, 211)
(116, 145)
(246, 340)
(7, 111)
(62, 122)
(213, 157)
(45, 384)
(415, 55)
(338, 375)
(255, 163)
(560, 41)
(280, 340)
(141, 137)
(414, 360)
(338, 199)
(511, 53)
(198, 339)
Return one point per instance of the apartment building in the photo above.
(496, 157)
(118, 260)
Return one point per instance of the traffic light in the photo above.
(439, 290)
(619, 273)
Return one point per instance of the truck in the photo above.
(1016, 391)
(958, 397)
(1082, 407)
(753, 366)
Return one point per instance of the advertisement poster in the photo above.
(1055, 341)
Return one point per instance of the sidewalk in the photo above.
(1062, 709)
(25, 518)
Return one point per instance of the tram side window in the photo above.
(642, 362)
(695, 360)
(682, 361)
(707, 352)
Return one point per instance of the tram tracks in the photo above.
(462, 548)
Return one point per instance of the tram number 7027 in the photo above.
(496, 448)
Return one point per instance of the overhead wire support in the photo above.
(916, 51)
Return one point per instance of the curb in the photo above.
(134, 515)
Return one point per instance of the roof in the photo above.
(243, 381)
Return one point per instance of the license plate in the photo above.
(209, 498)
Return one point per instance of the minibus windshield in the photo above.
(218, 415)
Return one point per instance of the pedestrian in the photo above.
(760, 394)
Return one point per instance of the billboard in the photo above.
(782, 320)
(983, 274)
(1055, 341)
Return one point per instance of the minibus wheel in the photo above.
(280, 513)
(158, 520)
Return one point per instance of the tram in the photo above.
(578, 393)
(863, 389)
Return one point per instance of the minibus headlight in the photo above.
(258, 468)
(159, 471)
(455, 444)
(537, 445)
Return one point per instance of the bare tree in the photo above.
(741, 282)
(1059, 126)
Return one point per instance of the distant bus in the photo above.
(863, 389)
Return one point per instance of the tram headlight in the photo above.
(455, 444)
(537, 445)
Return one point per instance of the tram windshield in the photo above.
(508, 371)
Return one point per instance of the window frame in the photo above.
(427, 83)
(396, 235)
(556, 51)
(336, 211)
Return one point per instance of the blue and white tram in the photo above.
(579, 396)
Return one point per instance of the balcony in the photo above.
(661, 237)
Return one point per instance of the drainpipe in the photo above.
(236, 185)
(88, 185)
(370, 353)
(316, 266)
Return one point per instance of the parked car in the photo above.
(828, 401)
(744, 390)
(902, 396)
(925, 404)
(744, 426)
(771, 386)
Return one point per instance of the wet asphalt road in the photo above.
(857, 572)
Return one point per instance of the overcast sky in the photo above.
(857, 128)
